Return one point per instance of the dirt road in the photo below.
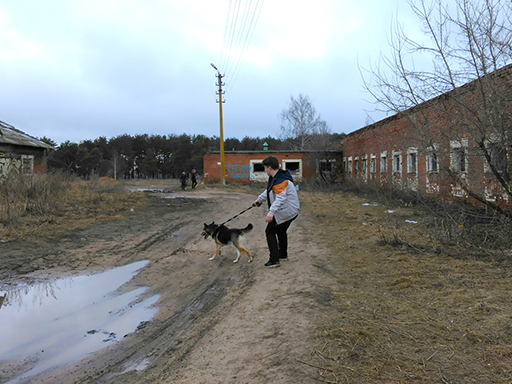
(385, 302)
(218, 322)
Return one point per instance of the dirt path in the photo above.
(384, 303)
(218, 322)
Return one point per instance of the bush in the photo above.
(456, 222)
(38, 195)
(57, 202)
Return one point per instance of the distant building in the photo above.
(20, 152)
(246, 166)
(393, 152)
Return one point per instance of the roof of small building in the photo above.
(13, 136)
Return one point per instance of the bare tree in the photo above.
(302, 126)
(467, 44)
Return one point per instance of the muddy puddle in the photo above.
(206, 197)
(55, 323)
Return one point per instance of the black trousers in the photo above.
(277, 239)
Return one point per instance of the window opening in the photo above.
(432, 163)
(383, 163)
(411, 162)
(258, 167)
(396, 163)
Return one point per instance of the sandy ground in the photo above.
(218, 322)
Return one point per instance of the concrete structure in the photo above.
(436, 148)
(20, 152)
(245, 166)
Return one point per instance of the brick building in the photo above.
(245, 166)
(443, 147)
(20, 152)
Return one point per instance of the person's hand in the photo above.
(256, 204)
(270, 217)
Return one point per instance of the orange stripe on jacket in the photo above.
(280, 187)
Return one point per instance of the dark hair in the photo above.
(271, 162)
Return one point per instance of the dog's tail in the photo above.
(247, 229)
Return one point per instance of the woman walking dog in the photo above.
(283, 208)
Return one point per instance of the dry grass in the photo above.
(50, 204)
(408, 307)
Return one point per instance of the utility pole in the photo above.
(219, 92)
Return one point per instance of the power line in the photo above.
(224, 39)
(248, 38)
(237, 34)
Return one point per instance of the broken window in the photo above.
(459, 160)
(412, 162)
(292, 166)
(397, 162)
(432, 163)
(258, 167)
(373, 164)
(27, 165)
(498, 154)
(326, 165)
(383, 163)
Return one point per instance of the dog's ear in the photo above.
(213, 222)
(205, 225)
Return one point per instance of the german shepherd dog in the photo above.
(226, 236)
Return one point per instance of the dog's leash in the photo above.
(234, 217)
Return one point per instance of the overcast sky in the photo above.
(80, 69)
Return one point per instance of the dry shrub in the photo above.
(453, 223)
(37, 195)
(32, 206)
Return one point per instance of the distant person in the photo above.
(183, 179)
(193, 177)
(283, 208)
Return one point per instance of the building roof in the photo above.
(500, 72)
(13, 136)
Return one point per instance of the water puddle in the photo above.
(150, 190)
(206, 197)
(55, 323)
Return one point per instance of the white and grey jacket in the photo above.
(282, 197)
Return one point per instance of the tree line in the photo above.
(149, 156)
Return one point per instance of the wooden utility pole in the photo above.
(219, 92)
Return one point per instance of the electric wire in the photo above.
(238, 33)
(232, 30)
(245, 46)
(224, 39)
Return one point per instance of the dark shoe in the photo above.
(283, 257)
(272, 264)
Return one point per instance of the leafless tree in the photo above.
(302, 126)
(458, 70)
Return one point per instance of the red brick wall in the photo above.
(238, 165)
(443, 121)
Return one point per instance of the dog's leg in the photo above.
(216, 252)
(248, 254)
(238, 254)
(239, 251)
